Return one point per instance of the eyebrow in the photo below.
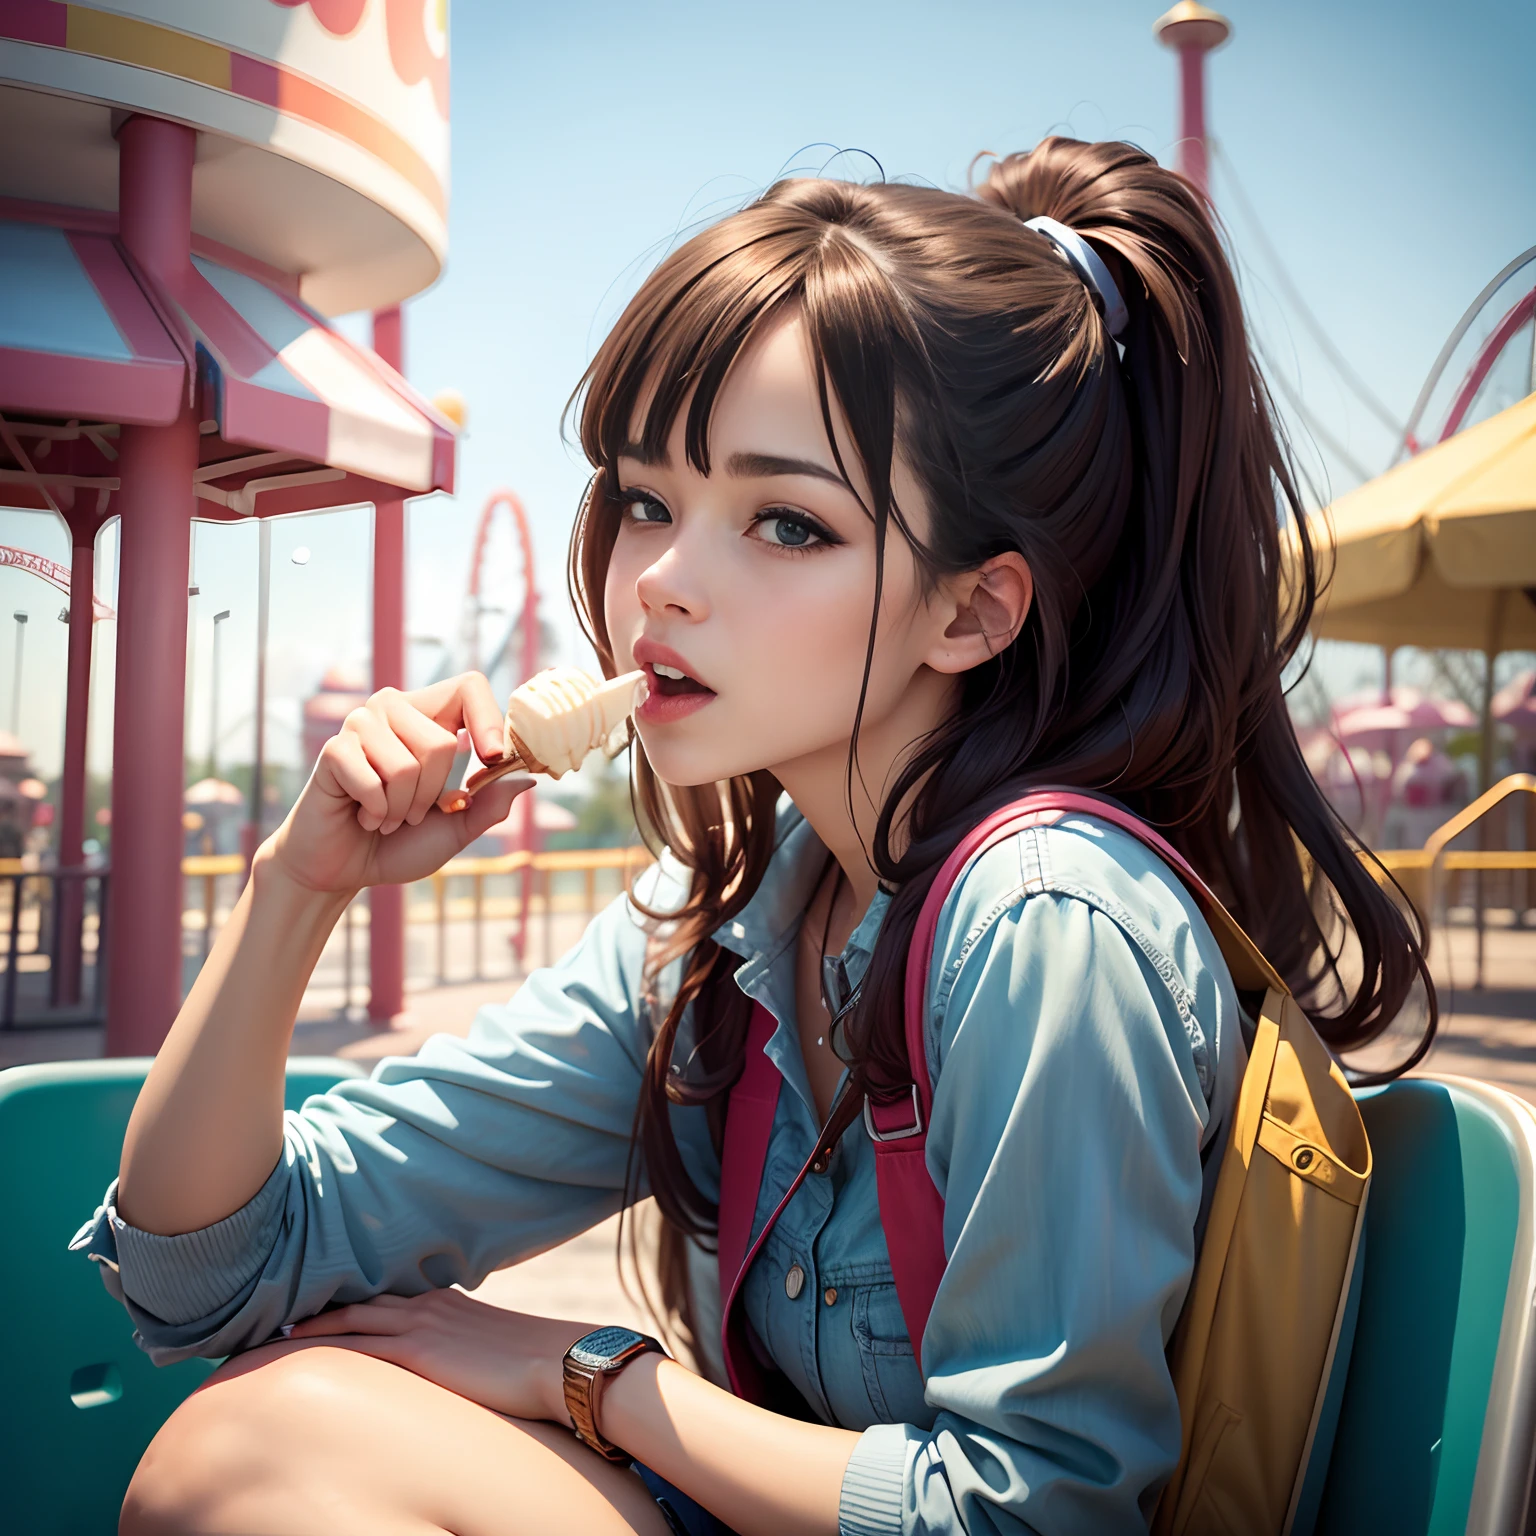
(756, 466)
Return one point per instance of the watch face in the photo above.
(601, 1348)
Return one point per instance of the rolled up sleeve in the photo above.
(441, 1167)
(1065, 1138)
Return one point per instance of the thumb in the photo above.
(491, 805)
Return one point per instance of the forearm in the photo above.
(761, 1473)
(208, 1127)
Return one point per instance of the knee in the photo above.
(252, 1430)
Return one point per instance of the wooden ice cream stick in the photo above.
(566, 709)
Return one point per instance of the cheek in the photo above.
(621, 605)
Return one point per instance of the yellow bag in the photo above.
(1254, 1348)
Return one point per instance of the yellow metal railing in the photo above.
(536, 892)
(1421, 872)
(536, 898)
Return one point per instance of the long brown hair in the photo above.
(1150, 493)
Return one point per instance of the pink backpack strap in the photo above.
(911, 1208)
(748, 1126)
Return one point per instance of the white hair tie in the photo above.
(1089, 266)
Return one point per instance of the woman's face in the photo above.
(758, 581)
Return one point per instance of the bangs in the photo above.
(677, 340)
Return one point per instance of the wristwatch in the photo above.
(589, 1362)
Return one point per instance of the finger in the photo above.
(434, 747)
(508, 786)
(466, 700)
(397, 766)
(483, 716)
(490, 807)
(353, 776)
(360, 1317)
(440, 837)
(478, 782)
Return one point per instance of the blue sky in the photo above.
(1387, 150)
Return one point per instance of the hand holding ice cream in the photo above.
(553, 721)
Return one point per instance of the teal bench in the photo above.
(1437, 1428)
(82, 1401)
(1437, 1419)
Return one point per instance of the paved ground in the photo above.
(1487, 1032)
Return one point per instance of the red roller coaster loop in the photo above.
(54, 574)
(472, 610)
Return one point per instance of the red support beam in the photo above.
(156, 465)
(83, 528)
(386, 903)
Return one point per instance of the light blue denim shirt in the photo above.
(1083, 1038)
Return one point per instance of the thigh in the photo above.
(307, 1437)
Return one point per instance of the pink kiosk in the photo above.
(186, 191)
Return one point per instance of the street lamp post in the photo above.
(213, 702)
(1192, 31)
(253, 826)
(21, 640)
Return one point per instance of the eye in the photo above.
(642, 507)
(794, 530)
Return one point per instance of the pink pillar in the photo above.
(156, 465)
(83, 528)
(527, 833)
(1194, 159)
(1192, 30)
(386, 903)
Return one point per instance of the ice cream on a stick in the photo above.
(553, 721)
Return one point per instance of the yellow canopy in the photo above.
(1441, 550)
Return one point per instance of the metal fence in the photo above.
(1441, 875)
(538, 886)
(53, 924)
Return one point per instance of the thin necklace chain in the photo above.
(826, 931)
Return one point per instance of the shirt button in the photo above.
(794, 1281)
(829, 1295)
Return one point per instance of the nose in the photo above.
(674, 583)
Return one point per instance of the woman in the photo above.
(905, 501)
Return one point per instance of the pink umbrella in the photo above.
(1515, 703)
(1409, 711)
(214, 792)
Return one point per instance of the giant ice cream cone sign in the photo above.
(323, 125)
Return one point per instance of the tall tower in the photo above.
(1193, 30)
(186, 190)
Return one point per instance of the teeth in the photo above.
(671, 672)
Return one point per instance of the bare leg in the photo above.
(310, 1439)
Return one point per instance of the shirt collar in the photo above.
(775, 909)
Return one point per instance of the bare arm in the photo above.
(207, 1128)
(761, 1473)
(208, 1125)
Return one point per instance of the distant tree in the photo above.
(604, 816)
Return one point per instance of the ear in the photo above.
(989, 606)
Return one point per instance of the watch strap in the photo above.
(583, 1388)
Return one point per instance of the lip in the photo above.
(649, 652)
(662, 708)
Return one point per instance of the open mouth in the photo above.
(668, 681)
